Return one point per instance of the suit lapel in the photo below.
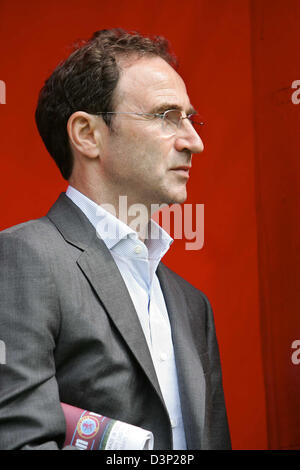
(191, 378)
(99, 267)
(103, 274)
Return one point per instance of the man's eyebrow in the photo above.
(162, 107)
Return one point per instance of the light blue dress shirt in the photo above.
(137, 262)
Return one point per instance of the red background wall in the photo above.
(238, 58)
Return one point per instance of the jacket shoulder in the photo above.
(30, 231)
(34, 239)
(26, 229)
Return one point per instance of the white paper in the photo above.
(124, 436)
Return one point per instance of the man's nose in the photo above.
(188, 139)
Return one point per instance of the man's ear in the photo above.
(85, 134)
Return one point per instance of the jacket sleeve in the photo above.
(219, 437)
(30, 412)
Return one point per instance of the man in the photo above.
(89, 314)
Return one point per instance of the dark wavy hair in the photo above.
(86, 81)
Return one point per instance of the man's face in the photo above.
(141, 158)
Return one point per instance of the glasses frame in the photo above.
(161, 115)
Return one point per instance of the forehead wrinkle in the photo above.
(173, 100)
(168, 105)
(148, 81)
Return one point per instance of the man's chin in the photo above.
(178, 198)
(171, 197)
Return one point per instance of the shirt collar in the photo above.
(112, 230)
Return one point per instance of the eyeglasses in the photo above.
(172, 118)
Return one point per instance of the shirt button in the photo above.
(173, 423)
(138, 249)
(163, 357)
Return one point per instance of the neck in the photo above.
(123, 206)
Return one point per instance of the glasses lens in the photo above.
(172, 118)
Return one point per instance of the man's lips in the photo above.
(182, 170)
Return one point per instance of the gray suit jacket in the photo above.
(72, 335)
